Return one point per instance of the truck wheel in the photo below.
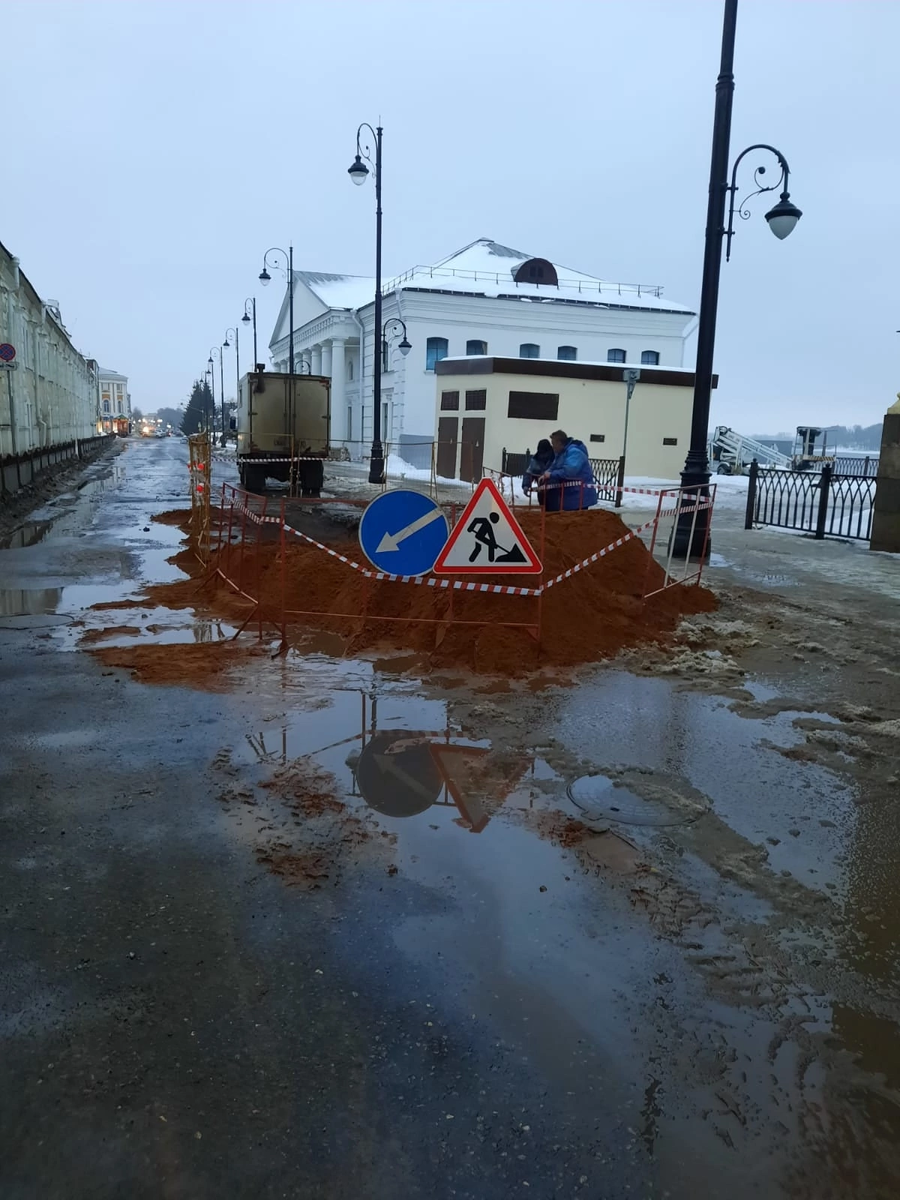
(255, 479)
(312, 475)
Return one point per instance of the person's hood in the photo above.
(576, 442)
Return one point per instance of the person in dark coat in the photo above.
(569, 480)
(540, 462)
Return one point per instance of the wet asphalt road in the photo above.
(177, 1022)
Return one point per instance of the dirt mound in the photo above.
(592, 615)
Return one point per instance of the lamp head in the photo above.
(264, 277)
(405, 347)
(783, 217)
(358, 171)
(245, 319)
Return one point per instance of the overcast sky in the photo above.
(153, 151)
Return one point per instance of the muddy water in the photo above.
(711, 941)
(714, 994)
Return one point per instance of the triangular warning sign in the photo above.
(487, 540)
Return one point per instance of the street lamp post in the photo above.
(692, 528)
(358, 172)
(265, 279)
(217, 351)
(211, 392)
(237, 370)
(405, 345)
(246, 318)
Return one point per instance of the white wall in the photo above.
(409, 388)
(658, 412)
(505, 325)
(54, 392)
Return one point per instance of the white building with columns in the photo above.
(485, 299)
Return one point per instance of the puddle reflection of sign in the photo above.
(397, 775)
(458, 766)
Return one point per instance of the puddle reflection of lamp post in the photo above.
(359, 172)
(692, 528)
(237, 371)
(247, 318)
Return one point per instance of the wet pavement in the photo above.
(335, 932)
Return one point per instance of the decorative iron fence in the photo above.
(851, 464)
(820, 503)
(609, 473)
(609, 476)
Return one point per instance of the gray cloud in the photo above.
(155, 150)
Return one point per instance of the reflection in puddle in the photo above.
(26, 602)
(402, 772)
(29, 534)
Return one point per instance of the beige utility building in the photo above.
(486, 406)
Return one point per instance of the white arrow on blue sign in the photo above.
(403, 532)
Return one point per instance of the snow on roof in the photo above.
(105, 374)
(487, 268)
(338, 291)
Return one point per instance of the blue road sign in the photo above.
(402, 532)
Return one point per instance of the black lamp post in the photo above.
(211, 392)
(217, 352)
(265, 279)
(692, 528)
(247, 318)
(358, 172)
(405, 345)
(237, 369)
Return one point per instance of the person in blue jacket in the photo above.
(538, 463)
(572, 469)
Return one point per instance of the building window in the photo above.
(567, 353)
(476, 401)
(529, 350)
(106, 406)
(349, 368)
(670, 441)
(650, 358)
(476, 347)
(534, 406)
(598, 437)
(435, 350)
(349, 422)
(615, 356)
(386, 421)
(449, 401)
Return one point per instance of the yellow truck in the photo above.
(283, 425)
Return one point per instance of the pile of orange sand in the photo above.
(592, 615)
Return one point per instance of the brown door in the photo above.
(448, 432)
(471, 458)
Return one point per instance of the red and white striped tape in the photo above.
(260, 462)
(468, 586)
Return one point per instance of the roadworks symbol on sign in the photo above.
(487, 540)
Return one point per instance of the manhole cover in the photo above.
(603, 799)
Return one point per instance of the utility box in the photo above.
(283, 430)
